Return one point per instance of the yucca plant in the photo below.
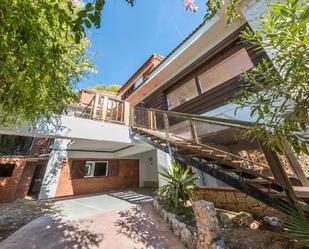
(296, 227)
(179, 187)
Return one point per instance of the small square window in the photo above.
(93, 169)
(6, 170)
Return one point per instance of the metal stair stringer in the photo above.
(240, 185)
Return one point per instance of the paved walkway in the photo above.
(119, 220)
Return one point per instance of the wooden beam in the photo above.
(294, 163)
(95, 107)
(104, 110)
(197, 84)
(166, 126)
(193, 131)
(280, 175)
(150, 119)
(154, 120)
(248, 189)
(127, 114)
(132, 119)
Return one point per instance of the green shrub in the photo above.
(179, 187)
(296, 228)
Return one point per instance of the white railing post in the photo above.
(193, 131)
(104, 109)
(96, 100)
(166, 126)
(126, 113)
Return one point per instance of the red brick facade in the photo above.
(121, 174)
(86, 95)
(10, 185)
(17, 185)
(153, 61)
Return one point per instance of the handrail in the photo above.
(228, 153)
(274, 163)
(111, 98)
(211, 120)
(205, 119)
(105, 108)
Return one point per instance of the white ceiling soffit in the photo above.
(93, 145)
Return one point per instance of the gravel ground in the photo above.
(246, 238)
(20, 212)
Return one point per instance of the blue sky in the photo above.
(129, 35)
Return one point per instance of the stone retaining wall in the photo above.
(179, 228)
(231, 199)
(208, 235)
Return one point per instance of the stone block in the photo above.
(230, 197)
(252, 202)
(226, 217)
(243, 219)
(254, 225)
(239, 194)
(242, 206)
(241, 199)
(209, 233)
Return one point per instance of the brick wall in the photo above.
(121, 174)
(86, 95)
(231, 199)
(40, 146)
(25, 180)
(9, 185)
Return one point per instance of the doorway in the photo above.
(37, 179)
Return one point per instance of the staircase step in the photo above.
(221, 155)
(237, 161)
(207, 151)
(233, 170)
(194, 146)
(257, 181)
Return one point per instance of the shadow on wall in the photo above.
(53, 168)
(52, 230)
(50, 126)
(136, 225)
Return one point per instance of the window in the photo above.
(15, 145)
(93, 169)
(6, 170)
(138, 82)
(225, 70)
(182, 94)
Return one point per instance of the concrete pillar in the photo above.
(164, 161)
(201, 180)
(53, 168)
(209, 232)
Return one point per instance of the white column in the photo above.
(164, 161)
(53, 168)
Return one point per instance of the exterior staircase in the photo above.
(226, 150)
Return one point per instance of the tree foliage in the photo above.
(278, 90)
(41, 58)
(111, 88)
(296, 227)
(179, 187)
(213, 6)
